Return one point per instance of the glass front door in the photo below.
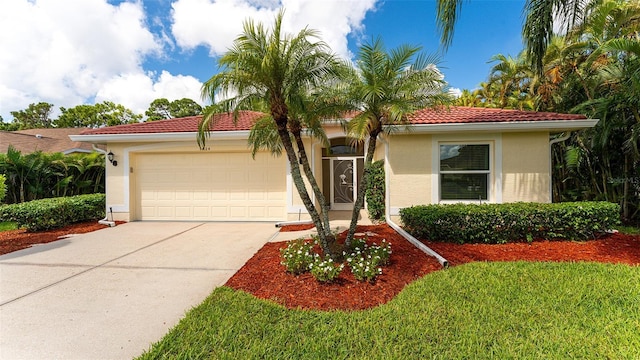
(343, 183)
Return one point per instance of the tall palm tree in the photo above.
(386, 88)
(278, 69)
(538, 28)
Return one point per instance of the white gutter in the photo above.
(104, 221)
(148, 137)
(551, 142)
(545, 125)
(387, 214)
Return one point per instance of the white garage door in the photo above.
(210, 186)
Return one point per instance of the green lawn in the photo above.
(631, 230)
(8, 225)
(474, 311)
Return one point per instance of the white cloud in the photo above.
(455, 92)
(73, 52)
(216, 23)
(62, 52)
(136, 90)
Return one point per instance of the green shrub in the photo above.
(325, 270)
(297, 256)
(365, 260)
(375, 191)
(500, 223)
(53, 213)
(3, 187)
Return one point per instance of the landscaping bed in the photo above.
(14, 240)
(264, 276)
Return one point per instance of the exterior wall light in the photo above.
(110, 158)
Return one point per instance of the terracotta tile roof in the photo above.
(224, 122)
(45, 140)
(460, 114)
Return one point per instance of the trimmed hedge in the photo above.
(375, 191)
(54, 213)
(3, 187)
(501, 223)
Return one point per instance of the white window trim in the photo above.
(495, 165)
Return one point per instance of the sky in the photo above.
(73, 52)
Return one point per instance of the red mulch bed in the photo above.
(298, 227)
(265, 278)
(614, 248)
(14, 240)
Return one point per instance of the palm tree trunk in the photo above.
(327, 244)
(314, 184)
(361, 189)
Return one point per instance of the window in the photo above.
(464, 172)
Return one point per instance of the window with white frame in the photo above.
(464, 172)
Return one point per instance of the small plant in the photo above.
(363, 267)
(325, 270)
(365, 261)
(380, 253)
(297, 256)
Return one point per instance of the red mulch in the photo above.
(264, 277)
(298, 227)
(14, 240)
(614, 248)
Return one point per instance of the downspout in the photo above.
(104, 221)
(551, 142)
(387, 214)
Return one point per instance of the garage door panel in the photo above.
(165, 212)
(238, 212)
(219, 212)
(256, 195)
(201, 195)
(183, 195)
(210, 186)
(201, 212)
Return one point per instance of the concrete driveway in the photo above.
(109, 294)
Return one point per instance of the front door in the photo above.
(343, 183)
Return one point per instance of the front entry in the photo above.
(343, 183)
(342, 168)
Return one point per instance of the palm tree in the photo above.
(538, 26)
(267, 66)
(386, 88)
(512, 77)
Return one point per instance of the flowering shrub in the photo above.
(325, 270)
(363, 268)
(365, 261)
(380, 253)
(297, 256)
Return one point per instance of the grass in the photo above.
(8, 225)
(478, 310)
(631, 230)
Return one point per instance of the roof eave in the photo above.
(512, 126)
(153, 137)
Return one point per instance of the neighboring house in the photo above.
(461, 154)
(45, 140)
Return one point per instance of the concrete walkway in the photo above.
(109, 294)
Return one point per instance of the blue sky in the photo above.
(133, 51)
